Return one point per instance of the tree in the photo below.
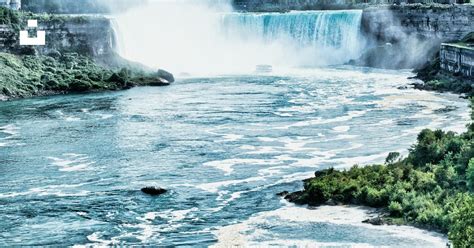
(470, 175)
(461, 232)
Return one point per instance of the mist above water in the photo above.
(207, 38)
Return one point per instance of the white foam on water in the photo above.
(9, 129)
(341, 129)
(319, 121)
(228, 164)
(231, 137)
(263, 150)
(95, 237)
(283, 114)
(215, 186)
(360, 160)
(56, 190)
(71, 162)
(247, 232)
(308, 243)
(68, 118)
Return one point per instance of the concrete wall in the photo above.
(457, 59)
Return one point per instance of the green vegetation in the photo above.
(24, 73)
(431, 188)
(435, 79)
(29, 75)
(10, 17)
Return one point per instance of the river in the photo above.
(72, 166)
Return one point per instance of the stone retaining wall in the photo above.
(457, 59)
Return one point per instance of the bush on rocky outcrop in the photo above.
(22, 76)
(433, 187)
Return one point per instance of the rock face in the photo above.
(286, 5)
(93, 36)
(165, 76)
(440, 22)
(415, 32)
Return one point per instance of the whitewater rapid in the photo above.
(73, 165)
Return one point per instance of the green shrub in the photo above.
(470, 175)
(395, 209)
(461, 231)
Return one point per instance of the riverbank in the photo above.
(451, 69)
(79, 56)
(37, 75)
(431, 188)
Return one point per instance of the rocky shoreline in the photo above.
(79, 57)
(40, 75)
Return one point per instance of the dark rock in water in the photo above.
(283, 193)
(403, 87)
(153, 190)
(377, 221)
(296, 197)
(332, 202)
(165, 76)
(446, 109)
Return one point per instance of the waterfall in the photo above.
(200, 38)
(326, 31)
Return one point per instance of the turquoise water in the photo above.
(319, 29)
(72, 166)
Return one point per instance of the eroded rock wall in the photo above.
(440, 22)
(414, 32)
(86, 35)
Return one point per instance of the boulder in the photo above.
(377, 221)
(153, 191)
(283, 193)
(165, 76)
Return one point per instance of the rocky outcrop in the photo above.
(92, 36)
(286, 5)
(414, 33)
(439, 22)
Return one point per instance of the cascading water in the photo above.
(323, 31)
(200, 38)
(195, 38)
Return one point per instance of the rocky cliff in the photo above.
(440, 22)
(91, 35)
(410, 35)
(286, 5)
